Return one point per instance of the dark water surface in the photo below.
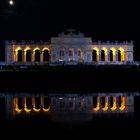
(78, 80)
(100, 126)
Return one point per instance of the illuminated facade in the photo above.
(68, 48)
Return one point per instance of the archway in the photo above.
(29, 103)
(111, 55)
(19, 55)
(94, 55)
(46, 55)
(28, 56)
(119, 55)
(46, 102)
(71, 54)
(37, 55)
(96, 103)
(62, 104)
(19, 102)
(102, 55)
(103, 102)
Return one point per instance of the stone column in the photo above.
(76, 56)
(25, 56)
(66, 55)
(76, 103)
(117, 56)
(41, 57)
(117, 103)
(114, 57)
(108, 57)
(33, 56)
(99, 55)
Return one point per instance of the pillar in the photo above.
(114, 57)
(99, 55)
(41, 56)
(66, 55)
(76, 56)
(106, 57)
(117, 103)
(33, 56)
(23, 56)
(117, 56)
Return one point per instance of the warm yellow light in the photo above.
(45, 49)
(113, 50)
(17, 49)
(27, 48)
(27, 110)
(122, 53)
(46, 109)
(17, 109)
(36, 49)
(122, 103)
(16, 105)
(114, 107)
(96, 49)
(98, 104)
(105, 50)
(36, 110)
(106, 104)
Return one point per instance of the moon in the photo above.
(11, 2)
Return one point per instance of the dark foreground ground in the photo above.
(72, 79)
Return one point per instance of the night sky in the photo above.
(100, 19)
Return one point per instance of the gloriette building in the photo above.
(68, 48)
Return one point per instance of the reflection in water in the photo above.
(66, 107)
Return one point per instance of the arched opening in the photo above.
(20, 103)
(37, 102)
(102, 55)
(28, 56)
(119, 100)
(62, 104)
(71, 54)
(122, 104)
(37, 55)
(94, 55)
(71, 104)
(29, 103)
(119, 55)
(46, 102)
(46, 55)
(81, 104)
(62, 55)
(103, 102)
(111, 101)
(96, 103)
(111, 55)
(19, 55)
